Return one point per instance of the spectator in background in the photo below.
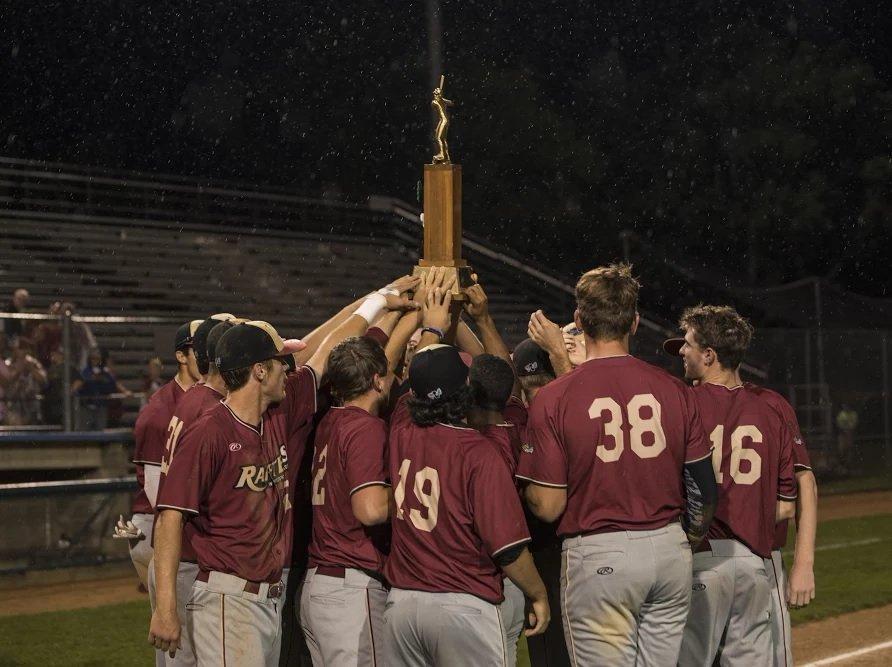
(18, 303)
(23, 378)
(93, 388)
(48, 335)
(152, 379)
(57, 387)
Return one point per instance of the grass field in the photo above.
(852, 573)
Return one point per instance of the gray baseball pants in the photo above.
(625, 596)
(422, 629)
(229, 626)
(730, 609)
(781, 635)
(512, 610)
(186, 574)
(141, 550)
(343, 619)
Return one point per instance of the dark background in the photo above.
(747, 141)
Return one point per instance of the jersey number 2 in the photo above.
(430, 498)
(319, 478)
(638, 427)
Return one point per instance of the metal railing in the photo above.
(74, 406)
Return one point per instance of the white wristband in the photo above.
(371, 308)
(388, 291)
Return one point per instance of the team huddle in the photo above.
(431, 495)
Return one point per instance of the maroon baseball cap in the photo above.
(672, 346)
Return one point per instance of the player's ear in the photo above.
(259, 371)
(576, 319)
(182, 356)
(635, 324)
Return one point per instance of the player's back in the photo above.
(752, 459)
(616, 432)
(456, 508)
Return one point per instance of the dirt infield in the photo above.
(835, 636)
(75, 595)
(853, 505)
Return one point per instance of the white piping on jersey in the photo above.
(174, 507)
(724, 386)
(536, 481)
(378, 482)
(176, 379)
(783, 497)
(702, 458)
(244, 423)
(508, 546)
(460, 428)
(315, 388)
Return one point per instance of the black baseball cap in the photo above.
(437, 372)
(250, 342)
(214, 335)
(672, 346)
(200, 342)
(185, 335)
(530, 359)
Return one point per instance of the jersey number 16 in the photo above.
(739, 454)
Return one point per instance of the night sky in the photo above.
(582, 119)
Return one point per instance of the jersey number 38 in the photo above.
(639, 427)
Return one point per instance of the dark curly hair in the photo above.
(450, 410)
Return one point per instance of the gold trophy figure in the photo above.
(440, 103)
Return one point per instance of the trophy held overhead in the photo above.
(442, 205)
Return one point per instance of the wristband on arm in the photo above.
(371, 308)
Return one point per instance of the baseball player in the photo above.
(495, 409)
(799, 589)
(202, 397)
(753, 463)
(615, 446)
(150, 434)
(343, 596)
(458, 520)
(535, 369)
(240, 537)
(351, 497)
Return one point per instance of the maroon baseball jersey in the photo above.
(349, 455)
(801, 459)
(457, 508)
(753, 462)
(509, 434)
(150, 433)
(196, 402)
(249, 531)
(229, 479)
(616, 433)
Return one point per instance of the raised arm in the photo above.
(314, 339)
(548, 335)
(477, 306)
(391, 297)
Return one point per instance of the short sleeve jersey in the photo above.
(616, 433)
(753, 461)
(196, 402)
(801, 458)
(349, 451)
(457, 509)
(231, 480)
(510, 434)
(150, 433)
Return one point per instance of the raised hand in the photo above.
(404, 284)
(545, 333)
(477, 305)
(436, 313)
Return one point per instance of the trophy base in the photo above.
(463, 275)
